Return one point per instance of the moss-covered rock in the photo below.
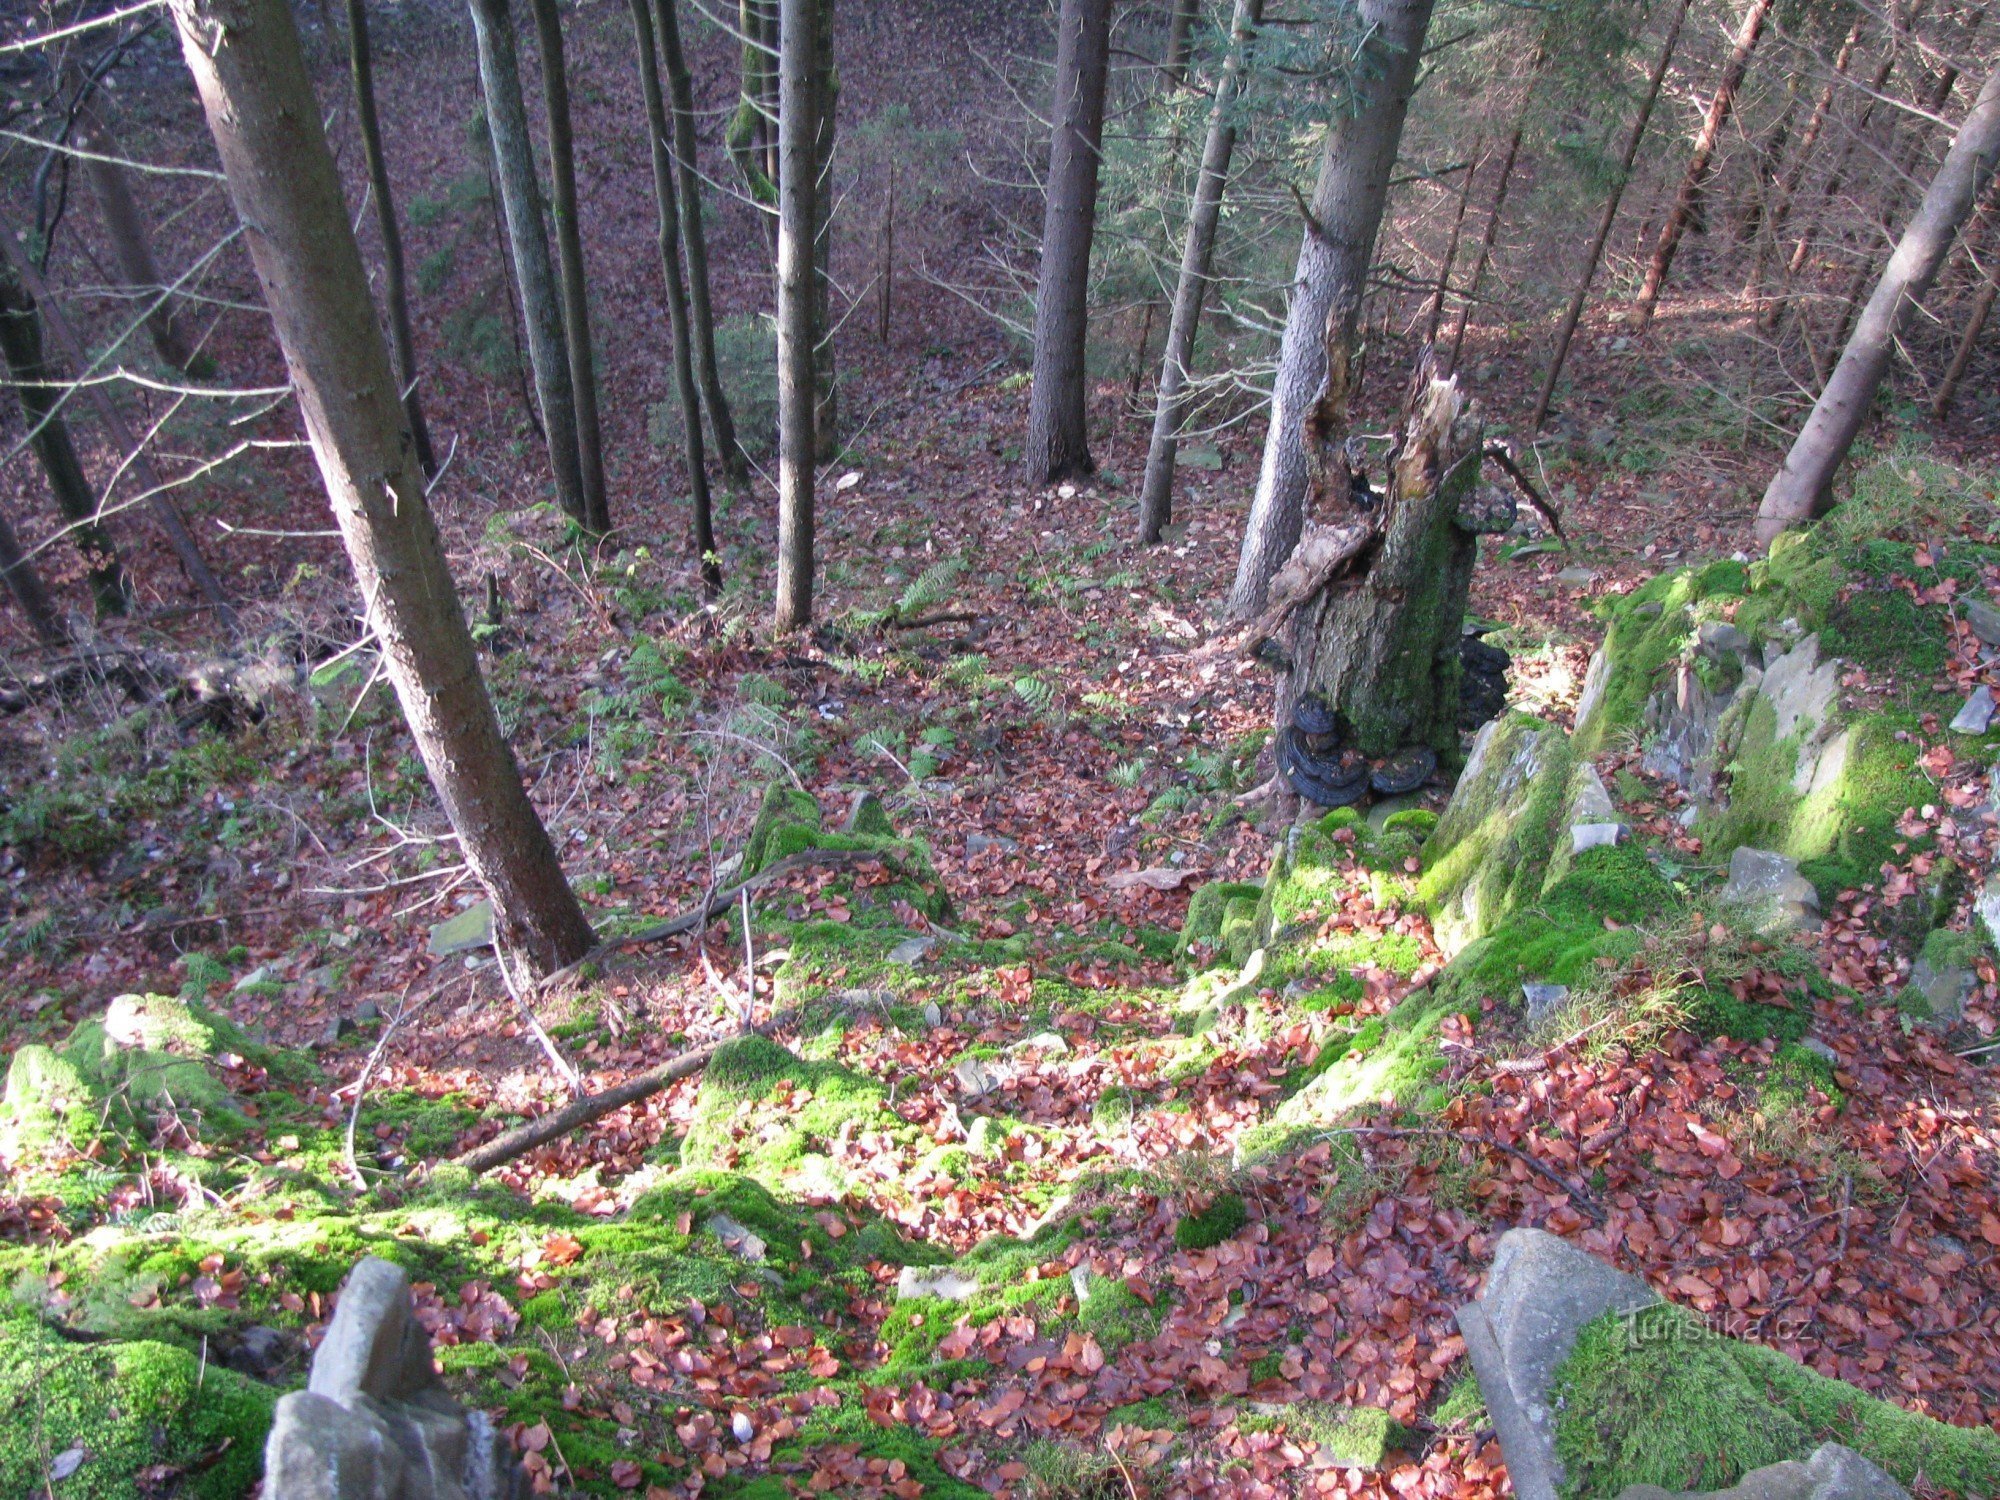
(1225, 1214)
(790, 822)
(1658, 1398)
(767, 1112)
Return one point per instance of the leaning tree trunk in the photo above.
(1156, 496)
(1803, 488)
(1381, 647)
(131, 240)
(664, 196)
(798, 56)
(1687, 200)
(252, 78)
(395, 283)
(694, 244)
(527, 239)
(569, 261)
(25, 584)
(1608, 218)
(38, 387)
(1058, 441)
(1309, 398)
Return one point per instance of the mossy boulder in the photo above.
(790, 822)
(775, 1116)
(1659, 1398)
(131, 1408)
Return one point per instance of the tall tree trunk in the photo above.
(1191, 289)
(38, 386)
(1803, 488)
(1695, 178)
(570, 268)
(1976, 315)
(131, 239)
(1309, 398)
(246, 62)
(1441, 293)
(1785, 192)
(1058, 440)
(826, 100)
(658, 133)
(798, 186)
(395, 285)
(13, 259)
(1491, 236)
(1634, 138)
(1892, 203)
(25, 584)
(527, 238)
(752, 133)
(1180, 43)
(694, 244)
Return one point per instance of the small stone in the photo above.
(470, 930)
(979, 843)
(975, 1079)
(1544, 999)
(258, 1353)
(1977, 713)
(1041, 1041)
(1984, 620)
(1577, 577)
(933, 1017)
(942, 1282)
(255, 977)
(911, 950)
(987, 1136)
(1943, 989)
(1718, 638)
(1820, 1048)
(1769, 893)
(739, 1241)
(1584, 836)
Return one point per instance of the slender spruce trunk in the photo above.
(826, 99)
(1634, 138)
(694, 245)
(1441, 293)
(1495, 217)
(1785, 193)
(259, 100)
(659, 137)
(38, 386)
(1975, 318)
(1310, 396)
(1058, 438)
(1191, 289)
(25, 584)
(798, 185)
(1803, 488)
(569, 261)
(395, 284)
(527, 239)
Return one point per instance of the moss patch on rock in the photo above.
(1658, 1399)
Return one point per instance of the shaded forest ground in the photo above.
(1064, 734)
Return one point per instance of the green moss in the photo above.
(1360, 1435)
(1226, 1214)
(1116, 1315)
(132, 1406)
(1660, 1400)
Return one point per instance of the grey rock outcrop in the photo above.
(1767, 893)
(1541, 1293)
(374, 1422)
(1832, 1473)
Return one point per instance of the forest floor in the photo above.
(1069, 758)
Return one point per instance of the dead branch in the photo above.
(1323, 553)
(1499, 454)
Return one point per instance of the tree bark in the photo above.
(1309, 398)
(658, 132)
(1803, 488)
(25, 584)
(527, 239)
(826, 99)
(752, 134)
(570, 269)
(694, 244)
(258, 97)
(798, 186)
(1608, 218)
(1383, 652)
(395, 284)
(1695, 178)
(131, 241)
(1191, 289)
(1180, 39)
(1058, 439)
(1784, 194)
(38, 386)
(1975, 322)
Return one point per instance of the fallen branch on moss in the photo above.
(1577, 1194)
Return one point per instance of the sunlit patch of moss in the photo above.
(1360, 1435)
(130, 1406)
(766, 1110)
(1659, 1399)
(849, 1423)
(1226, 1213)
(1392, 1059)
